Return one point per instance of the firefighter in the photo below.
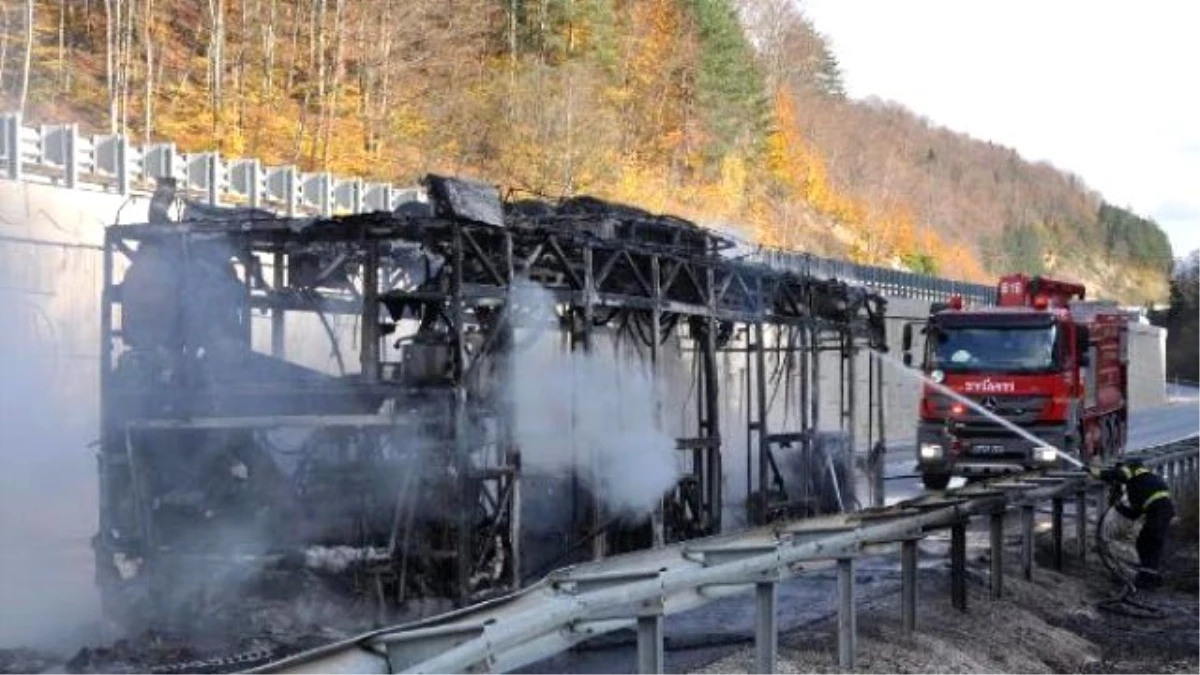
(1148, 496)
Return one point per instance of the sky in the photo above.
(1105, 90)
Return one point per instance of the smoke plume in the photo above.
(47, 472)
(588, 413)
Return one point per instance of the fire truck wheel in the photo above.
(935, 481)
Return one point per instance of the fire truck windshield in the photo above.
(993, 349)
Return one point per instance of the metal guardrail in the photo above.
(111, 162)
(637, 590)
(58, 152)
(889, 282)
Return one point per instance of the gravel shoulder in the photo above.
(1051, 624)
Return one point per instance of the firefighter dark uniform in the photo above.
(1148, 497)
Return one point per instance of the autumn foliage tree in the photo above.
(732, 112)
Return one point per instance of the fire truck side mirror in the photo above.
(1082, 343)
(908, 359)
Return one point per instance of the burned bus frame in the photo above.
(616, 267)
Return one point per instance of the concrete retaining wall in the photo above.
(1147, 366)
(49, 385)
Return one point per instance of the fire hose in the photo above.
(214, 665)
(221, 664)
(1124, 602)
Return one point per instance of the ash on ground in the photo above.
(229, 636)
(25, 661)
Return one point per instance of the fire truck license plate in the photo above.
(987, 449)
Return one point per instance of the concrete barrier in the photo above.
(1147, 366)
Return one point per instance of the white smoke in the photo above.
(47, 473)
(592, 413)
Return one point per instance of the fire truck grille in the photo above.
(1016, 409)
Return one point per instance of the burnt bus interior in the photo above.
(396, 473)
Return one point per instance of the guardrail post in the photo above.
(958, 565)
(1056, 525)
(71, 155)
(121, 153)
(1027, 541)
(997, 532)
(254, 183)
(846, 623)
(1081, 523)
(12, 145)
(212, 168)
(291, 191)
(766, 633)
(908, 585)
(650, 643)
(387, 198)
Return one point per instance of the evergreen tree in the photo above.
(1181, 320)
(556, 30)
(1141, 239)
(730, 89)
(1022, 248)
(829, 73)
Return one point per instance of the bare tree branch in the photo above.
(28, 54)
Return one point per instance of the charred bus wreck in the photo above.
(333, 394)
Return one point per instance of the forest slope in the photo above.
(731, 115)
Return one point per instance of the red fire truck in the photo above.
(1043, 359)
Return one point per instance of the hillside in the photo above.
(732, 115)
(1010, 213)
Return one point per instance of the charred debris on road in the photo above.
(392, 483)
